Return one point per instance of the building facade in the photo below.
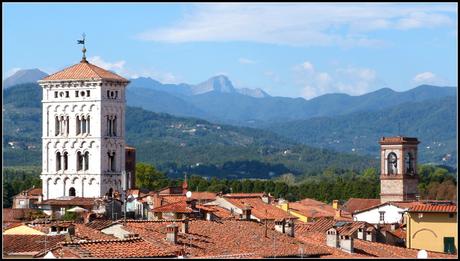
(399, 177)
(83, 132)
(433, 227)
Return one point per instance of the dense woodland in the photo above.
(435, 183)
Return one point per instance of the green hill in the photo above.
(178, 145)
(433, 122)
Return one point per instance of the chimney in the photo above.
(332, 238)
(336, 206)
(171, 233)
(266, 198)
(290, 228)
(184, 226)
(246, 212)
(361, 233)
(208, 216)
(346, 244)
(393, 227)
(370, 234)
(190, 203)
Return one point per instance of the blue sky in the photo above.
(294, 50)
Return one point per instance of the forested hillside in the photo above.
(433, 122)
(177, 145)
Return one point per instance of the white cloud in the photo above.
(300, 24)
(246, 61)
(120, 68)
(429, 78)
(116, 66)
(349, 80)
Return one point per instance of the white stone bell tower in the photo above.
(83, 131)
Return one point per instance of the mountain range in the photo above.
(176, 145)
(341, 122)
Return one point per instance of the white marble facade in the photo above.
(83, 137)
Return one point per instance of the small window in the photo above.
(87, 93)
(76, 93)
(55, 94)
(116, 94)
(67, 94)
(61, 94)
(108, 93)
(382, 215)
(82, 93)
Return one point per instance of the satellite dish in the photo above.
(422, 254)
(188, 194)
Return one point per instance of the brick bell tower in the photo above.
(399, 177)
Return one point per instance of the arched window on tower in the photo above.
(67, 125)
(392, 165)
(58, 161)
(83, 125)
(78, 125)
(72, 192)
(115, 126)
(66, 160)
(87, 122)
(79, 161)
(409, 162)
(86, 160)
(56, 126)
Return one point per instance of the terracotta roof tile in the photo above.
(355, 204)
(200, 196)
(312, 208)
(84, 71)
(76, 201)
(32, 244)
(226, 238)
(243, 195)
(434, 208)
(177, 207)
(260, 209)
(365, 249)
(119, 248)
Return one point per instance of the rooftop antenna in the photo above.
(83, 59)
(399, 128)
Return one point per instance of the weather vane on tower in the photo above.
(84, 49)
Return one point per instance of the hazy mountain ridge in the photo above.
(176, 144)
(433, 122)
(24, 76)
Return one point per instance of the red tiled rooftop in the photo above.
(30, 244)
(260, 209)
(84, 71)
(356, 204)
(434, 208)
(204, 195)
(312, 208)
(244, 195)
(226, 237)
(365, 249)
(119, 248)
(177, 207)
(76, 201)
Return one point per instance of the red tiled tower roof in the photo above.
(84, 71)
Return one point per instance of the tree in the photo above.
(148, 177)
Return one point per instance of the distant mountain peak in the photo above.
(24, 76)
(218, 83)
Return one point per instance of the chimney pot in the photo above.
(171, 233)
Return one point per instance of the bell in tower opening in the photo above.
(398, 179)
